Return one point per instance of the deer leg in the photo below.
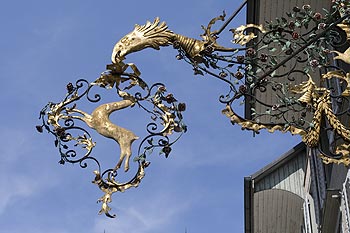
(72, 117)
(76, 117)
(85, 116)
(121, 158)
(126, 164)
(125, 153)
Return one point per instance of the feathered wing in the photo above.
(153, 35)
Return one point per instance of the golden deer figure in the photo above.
(99, 121)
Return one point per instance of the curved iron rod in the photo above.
(303, 47)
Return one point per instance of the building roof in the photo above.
(268, 169)
(273, 196)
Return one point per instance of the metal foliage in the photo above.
(274, 71)
(289, 75)
(74, 141)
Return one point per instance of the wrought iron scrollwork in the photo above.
(75, 143)
(283, 57)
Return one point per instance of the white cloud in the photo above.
(17, 181)
(15, 186)
(14, 142)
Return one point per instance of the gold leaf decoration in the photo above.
(340, 75)
(239, 36)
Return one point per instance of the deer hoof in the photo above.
(126, 167)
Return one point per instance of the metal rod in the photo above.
(231, 17)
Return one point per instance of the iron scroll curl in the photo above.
(75, 144)
(283, 57)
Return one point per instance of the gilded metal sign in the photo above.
(74, 140)
(282, 59)
(305, 43)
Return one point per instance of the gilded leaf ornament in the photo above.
(273, 70)
(340, 75)
(311, 99)
(64, 119)
(314, 99)
(241, 37)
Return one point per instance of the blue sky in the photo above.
(47, 44)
